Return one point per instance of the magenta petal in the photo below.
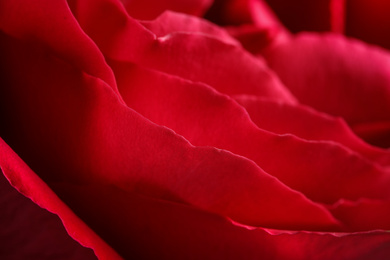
(84, 131)
(27, 19)
(28, 232)
(364, 214)
(376, 133)
(323, 171)
(150, 9)
(170, 22)
(187, 55)
(338, 76)
(147, 228)
(307, 123)
(29, 184)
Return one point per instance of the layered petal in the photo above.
(363, 214)
(341, 77)
(28, 231)
(170, 22)
(183, 54)
(43, 235)
(205, 117)
(309, 124)
(84, 132)
(79, 49)
(177, 231)
(149, 9)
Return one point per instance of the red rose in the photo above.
(154, 134)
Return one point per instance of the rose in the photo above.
(76, 92)
(339, 59)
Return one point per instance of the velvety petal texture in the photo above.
(324, 70)
(152, 133)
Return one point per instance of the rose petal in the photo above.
(176, 231)
(338, 76)
(238, 12)
(253, 38)
(364, 214)
(309, 124)
(170, 22)
(369, 20)
(323, 171)
(377, 133)
(150, 9)
(82, 131)
(28, 231)
(122, 38)
(180, 231)
(26, 182)
(79, 49)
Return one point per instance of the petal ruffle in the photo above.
(323, 171)
(195, 57)
(84, 132)
(309, 124)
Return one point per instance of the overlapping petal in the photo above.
(62, 113)
(31, 241)
(323, 71)
(183, 54)
(42, 231)
(149, 9)
(309, 124)
(177, 231)
(84, 132)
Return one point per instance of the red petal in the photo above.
(26, 182)
(309, 124)
(363, 214)
(338, 76)
(83, 132)
(146, 228)
(196, 57)
(253, 38)
(150, 9)
(323, 171)
(170, 22)
(78, 49)
(27, 231)
(176, 231)
(377, 133)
